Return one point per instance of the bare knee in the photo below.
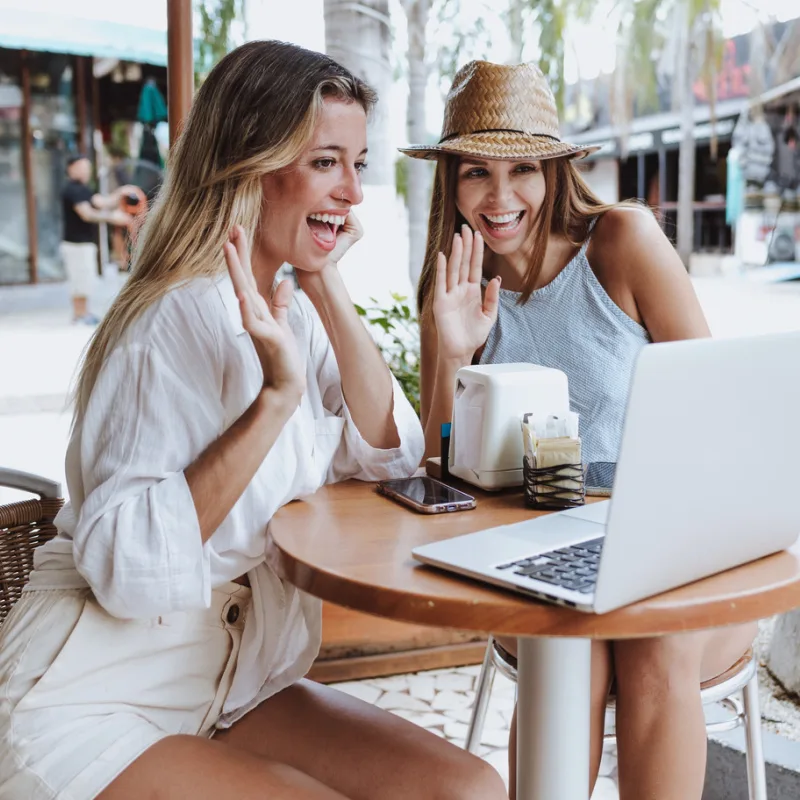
(658, 667)
(469, 778)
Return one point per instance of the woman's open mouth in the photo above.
(501, 225)
(324, 228)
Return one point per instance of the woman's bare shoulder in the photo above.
(625, 237)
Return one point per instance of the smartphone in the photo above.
(426, 495)
(600, 478)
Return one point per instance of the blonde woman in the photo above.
(584, 286)
(152, 623)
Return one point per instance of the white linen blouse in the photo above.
(179, 377)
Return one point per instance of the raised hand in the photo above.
(312, 281)
(464, 314)
(266, 322)
(350, 233)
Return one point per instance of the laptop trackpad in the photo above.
(593, 512)
(554, 530)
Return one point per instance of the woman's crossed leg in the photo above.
(310, 742)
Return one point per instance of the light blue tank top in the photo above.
(571, 324)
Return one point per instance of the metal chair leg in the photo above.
(754, 753)
(482, 696)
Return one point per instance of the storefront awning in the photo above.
(55, 33)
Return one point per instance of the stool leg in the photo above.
(754, 755)
(482, 696)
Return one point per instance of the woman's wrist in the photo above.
(323, 286)
(448, 364)
(277, 402)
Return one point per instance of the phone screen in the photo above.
(426, 491)
(600, 474)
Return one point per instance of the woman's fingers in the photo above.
(466, 256)
(250, 318)
(281, 300)
(491, 298)
(454, 263)
(440, 289)
(239, 239)
(353, 227)
(476, 261)
(240, 283)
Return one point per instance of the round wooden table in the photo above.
(350, 546)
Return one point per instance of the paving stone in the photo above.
(404, 713)
(504, 687)
(459, 714)
(608, 763)
(360, 689)
(427, 719)
(495, 737)
(456, 732)
(394, 683)
(605, 789)
(453, 682)
(401, 701)
(445, 701)
(493, 718)
(423, 687)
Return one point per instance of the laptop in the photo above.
(708, 477)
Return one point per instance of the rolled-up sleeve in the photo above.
(137, 539)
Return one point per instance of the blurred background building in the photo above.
(70, 84)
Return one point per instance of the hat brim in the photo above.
(501, 145)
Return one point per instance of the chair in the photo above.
(741, 678)
(23, 527)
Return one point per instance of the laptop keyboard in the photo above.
(574, 567)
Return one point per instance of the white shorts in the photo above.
(80, 262)
(83, 694)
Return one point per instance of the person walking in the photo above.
(83, 211)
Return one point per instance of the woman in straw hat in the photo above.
(584, 286)
(209, 398)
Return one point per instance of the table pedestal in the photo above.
(553, 718)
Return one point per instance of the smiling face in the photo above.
(306, 204)
(501, 199)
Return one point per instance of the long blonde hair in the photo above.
(254, 114)
(568, 209)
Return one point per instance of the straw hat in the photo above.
(499, 111)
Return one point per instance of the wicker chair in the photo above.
(23, 527)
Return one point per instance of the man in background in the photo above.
(83, 210)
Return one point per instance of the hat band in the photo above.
(498, 130)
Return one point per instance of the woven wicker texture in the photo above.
(500, 111)
(23, 527)
(492, 97)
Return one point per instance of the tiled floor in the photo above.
(441, 700)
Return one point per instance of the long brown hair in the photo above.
(255, 114)
(568, 209)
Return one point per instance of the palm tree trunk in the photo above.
(686, 154)
(358, 36)
(419, 172)
(515, 30)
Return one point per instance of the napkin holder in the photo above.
(489, 401)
